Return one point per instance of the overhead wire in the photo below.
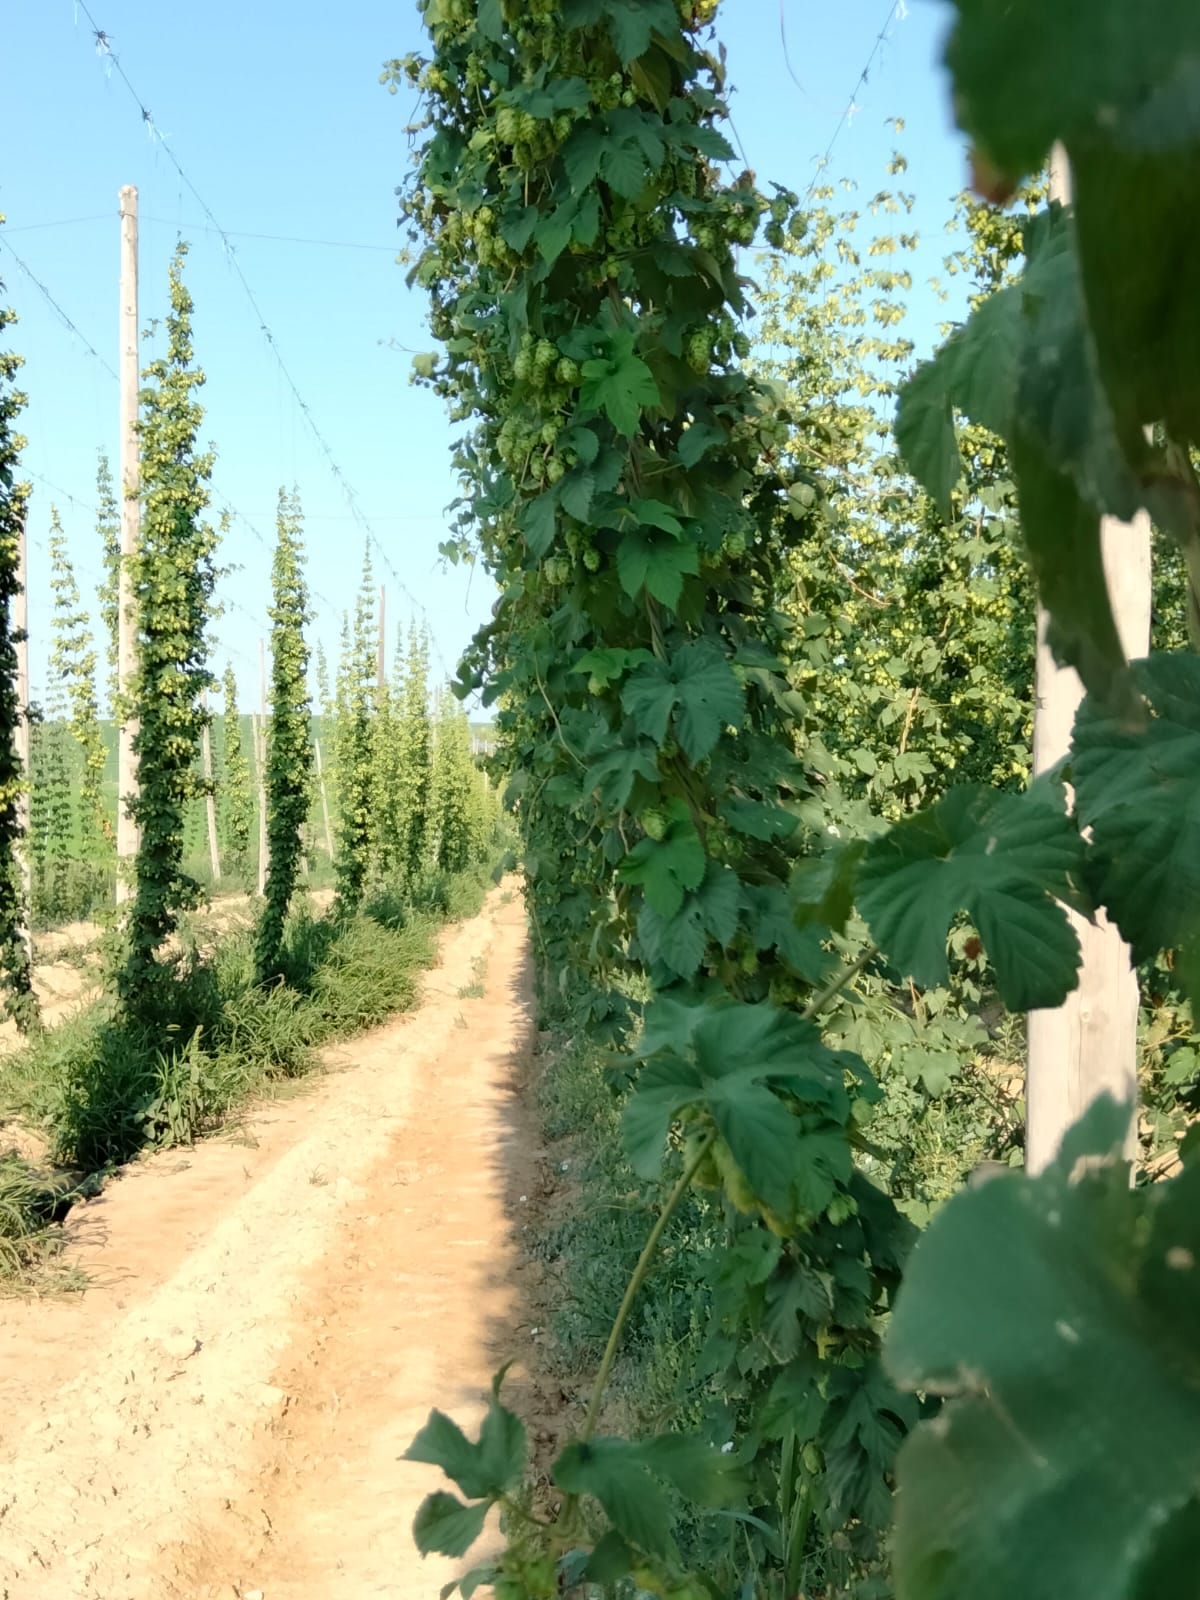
(196, 227)
(68, 322)
(898, 10)
(104, 46)
(98, 578)
(58, 222)
(55, 307)
(273, 238)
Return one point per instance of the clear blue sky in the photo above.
(275, 113)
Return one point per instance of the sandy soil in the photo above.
(272, 1315)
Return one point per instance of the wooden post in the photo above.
(1088, 1045)
(324, 799)
(210, 799)
(127, 781)
(20, 623)
(260, 746)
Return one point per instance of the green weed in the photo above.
(29, 1202)
(103, 1086)
(475, 989)
(593, 1243)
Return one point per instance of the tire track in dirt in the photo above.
(230, 1422)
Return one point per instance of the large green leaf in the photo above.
(538, 522)
(698, 685)
(974, 372)
(1062, 532)
(667, 867)
(634, 21)
(1119, 86)
(1026, 73)
(679, 942)
(730, 1060)
(613, 775)
(484, 1469)
(443, 1524)
(623, 167)
(612, 1472)
(1060, 1317)
(656, 562)
(626, 1477)
(1026, 367)
(618, 383)
(862, 1429)
(1138, 789)
(1005, 859)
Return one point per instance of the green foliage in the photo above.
(385, 795)
(28, 1200)
(1057, 1314)
(20, 1002)
(71, 830)
(173, 583)
(677, 549)
(620, 478)
(108, 533)
(288, 740)
(106, 1084)
(1093, 344)
(916, 637)
(414, 744)
(1136, 791)
(51, 830)
(355, 764)
(235, 802)
(1071, 1354)
(453, 787)
(1010, 860)
(73, 665)
(722, 1065)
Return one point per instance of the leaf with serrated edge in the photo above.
(1002, 858)
(1059, 1315)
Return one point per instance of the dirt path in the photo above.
(221, 1415)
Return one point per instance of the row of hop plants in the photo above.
(417, 776)
(179, 1032)
(398, 796)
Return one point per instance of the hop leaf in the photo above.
(1004, 859)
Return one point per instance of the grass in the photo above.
(101, 1088)
(475, 989)
(29, 1243)
(592, 1243)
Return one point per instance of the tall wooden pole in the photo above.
(1088, 1045)
(260, 745)
(210, 799)
(20, 623)
(127, 781)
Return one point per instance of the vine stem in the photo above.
(640, 1273)
(683, 1183)
(835, 985)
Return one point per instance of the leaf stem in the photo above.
(835, 985)
(640, 1273)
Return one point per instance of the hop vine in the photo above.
(288, 737)
(173, 583)
(235, 801)
(20, 1002)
